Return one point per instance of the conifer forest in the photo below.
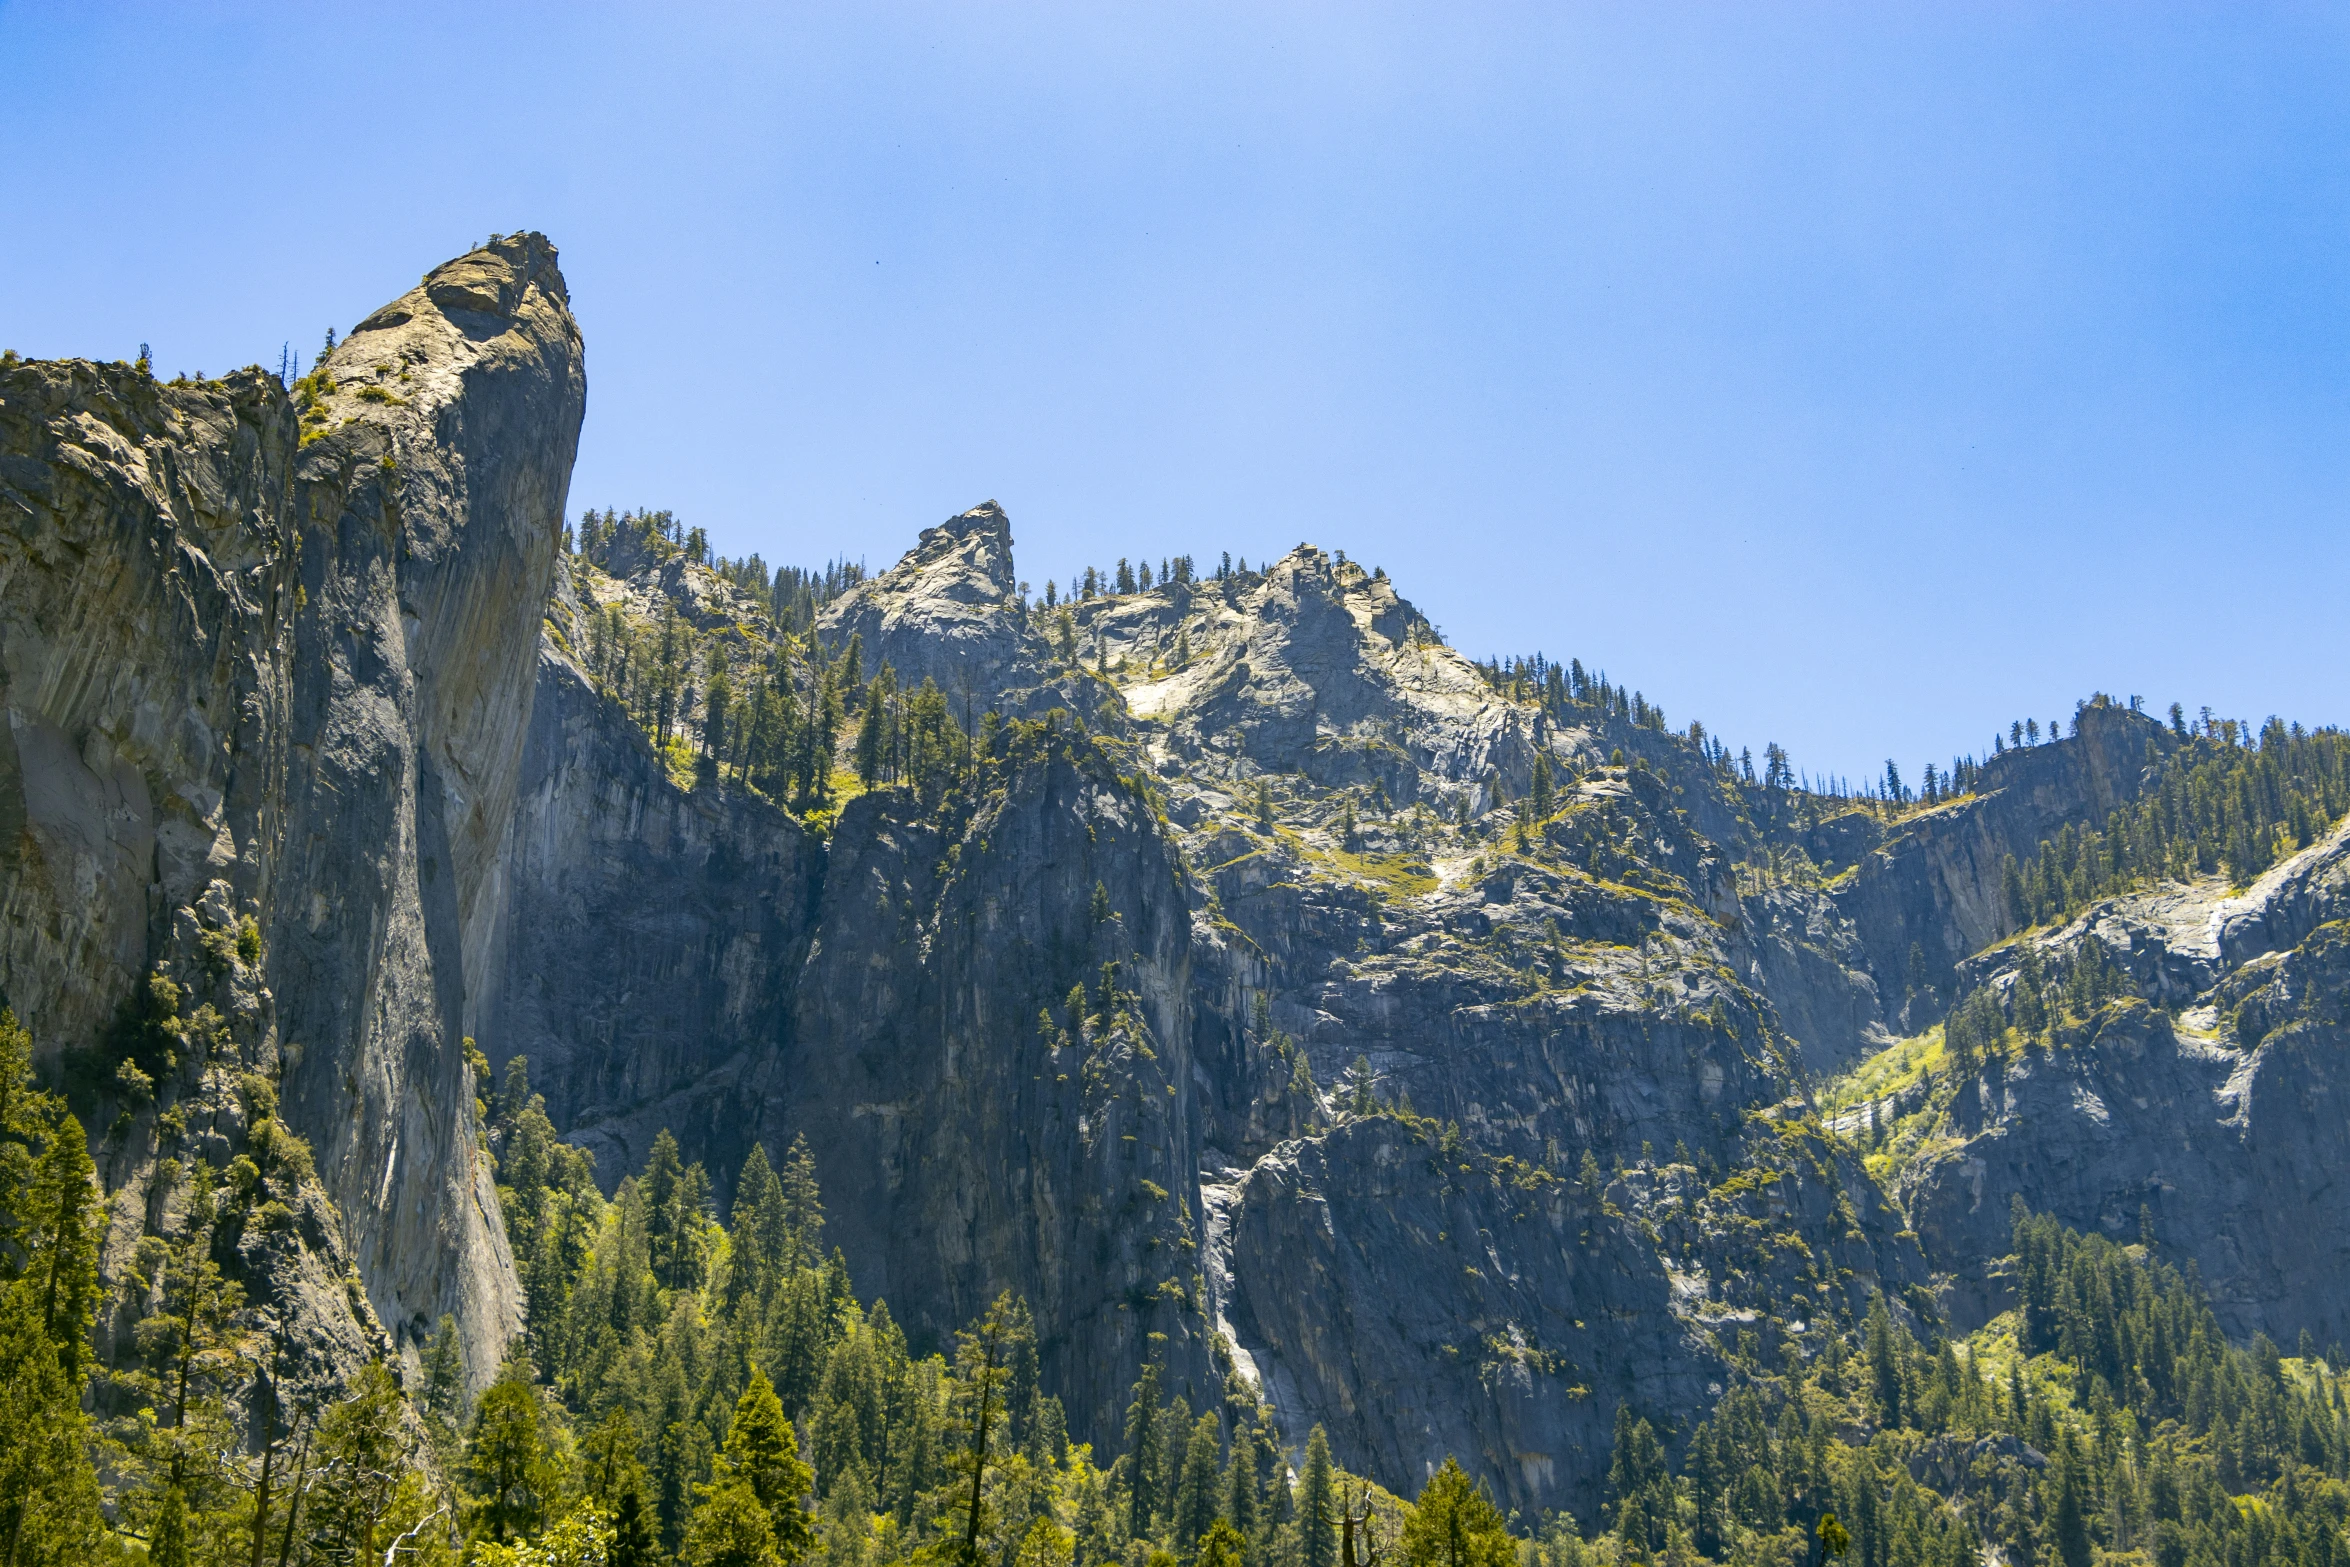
(530, 1042)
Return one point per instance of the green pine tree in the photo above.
(1221, 1546)
(49, 1494)
(1455, 1524)
(1639, 1486)
(1196, 1486)
(1884, 1364)
(982, 1371)
(443, 1365)
(872, 735)
(1141, 1456)
(507, 1458)
(632, 1542)
(1241, 1503)
(731, 1527)
(362, 1454)
(1317, 1504)
(167, 1535)
(762, 1452)
(803, 1211)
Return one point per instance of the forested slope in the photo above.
(1242, 1044)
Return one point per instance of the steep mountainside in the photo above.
(1449, 1055)
(1429, 975)
(2214, 1124)
(268, 663)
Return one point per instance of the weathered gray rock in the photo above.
(1419, 1303)
(147, 556)
(966, 1148)
(1935, 883)
(277, 666)
(2218, 1135)
(653, 936)
(1315, 666)
(146, 572)
(438, 512)
(2288, 902)
(950, 612)
(1798, 949)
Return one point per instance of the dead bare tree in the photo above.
(1349, 1521)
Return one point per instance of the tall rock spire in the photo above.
(436, 459)
(270, 661)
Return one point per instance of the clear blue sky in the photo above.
(1859, 377)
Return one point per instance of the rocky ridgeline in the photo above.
(1390, 1031)
(2205, 1112)
(1355, 997)
(1278, 995)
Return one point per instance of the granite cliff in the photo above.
(268, 660)
(1446, 1054)
(2201, 1109)
(1473, 1026)
(1352, 996)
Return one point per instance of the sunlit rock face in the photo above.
(1228, 966)
(272, 659)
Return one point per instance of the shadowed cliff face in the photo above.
(293, 691)
(981, 1126)
(653, 937)
(1186, 1145)
(1936, 882)
(2219, 1132)
(1278, 993)
(146, 568)
(692, 961)
(1419, 1307)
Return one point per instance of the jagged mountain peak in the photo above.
(1307, 576)
(1276, 1017)
(1312, 664)
(966, 559)
(949, 611)
(983, 534)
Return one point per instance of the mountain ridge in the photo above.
(1216, 681)
(1446, 1056)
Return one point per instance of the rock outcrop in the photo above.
(1181, 1053)
(435, 496)
(2213, 1129)
(981, 1124)
(1230, 968)
(268, 669)
(1314, 666)
(1935, 883)
(950, 612)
